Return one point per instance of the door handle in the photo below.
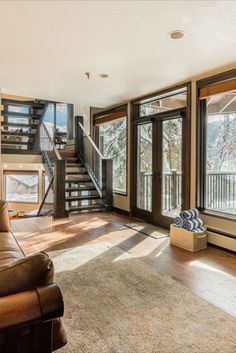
(159, 177)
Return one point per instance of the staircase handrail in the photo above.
(98, 166)
(91, 141)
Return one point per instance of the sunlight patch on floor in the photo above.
(203, 266)
(73, 260)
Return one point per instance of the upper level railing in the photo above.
(98, 167)
(48, 148)
(56, 172)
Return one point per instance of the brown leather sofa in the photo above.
(30, 303)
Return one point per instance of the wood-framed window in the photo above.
(216, 182)
(110, 130)
(21, 187)
(58, 116)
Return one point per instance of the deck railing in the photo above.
(220, 194)
(221, 190)
(171, 191)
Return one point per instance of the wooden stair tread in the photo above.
(82, 197)
(81, 188)
(11, 133)
(7, 142)
(19, 124)
(20, 115)
(72, 165)
(78, 179)
(85, 207)
(76, 171)
(68, 153)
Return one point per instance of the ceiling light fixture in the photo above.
(177, 34)
(103, 75)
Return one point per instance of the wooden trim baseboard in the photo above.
(119, 210)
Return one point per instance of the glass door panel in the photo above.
(144, 167)
(171, 173)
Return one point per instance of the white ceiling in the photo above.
(47, 46)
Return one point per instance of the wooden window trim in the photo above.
(18, 172)
(217, 88)
(110, 117)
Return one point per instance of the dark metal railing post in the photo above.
(173, 189)
(107, 183)
(59, 182)
(79, 137)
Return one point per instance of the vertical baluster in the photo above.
(233, 191)
(59, 189)
(107, 182)
(166, 191)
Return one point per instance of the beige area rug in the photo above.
(149, 229)
(115, 303)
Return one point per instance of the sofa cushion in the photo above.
(26, 273)
(4, 217)
(9, 249)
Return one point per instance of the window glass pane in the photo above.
(61, 117)
(163, 105)
(220, 194)
(113, 144)
(171, 167)
(21, 188)
(144, 167)
(18, 109)
(49, 119)
(17, 120)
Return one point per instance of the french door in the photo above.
(161, 157)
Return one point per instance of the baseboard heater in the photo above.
(221, 239)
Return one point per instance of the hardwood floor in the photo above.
(210, 273)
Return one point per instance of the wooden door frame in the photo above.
(158, 218)
(138, 212)
(135, 121)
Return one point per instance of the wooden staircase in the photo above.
(81, 193)
(20, 123)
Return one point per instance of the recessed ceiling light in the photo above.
(177, 34)
(103, 75)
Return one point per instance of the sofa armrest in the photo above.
(29, 307)
(26, 273)
(5, 225)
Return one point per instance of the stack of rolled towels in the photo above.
(189, 220)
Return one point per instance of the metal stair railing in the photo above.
(99, 168)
